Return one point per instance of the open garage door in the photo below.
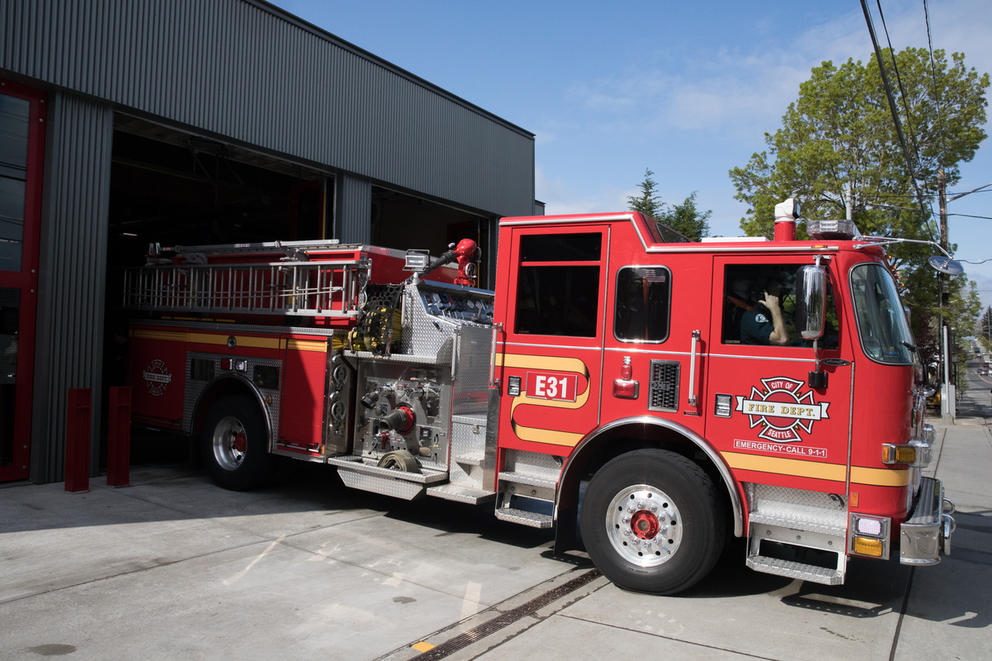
(404, 221)
(174, 188)
(177, 188)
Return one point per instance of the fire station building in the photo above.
(128, 122)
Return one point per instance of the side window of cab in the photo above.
(558, 284)
(760, 305)
(643, 304)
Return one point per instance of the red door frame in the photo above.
(26, 280)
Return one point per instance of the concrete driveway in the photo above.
(174, 567)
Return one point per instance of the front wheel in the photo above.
(651, 521)
(234, 444)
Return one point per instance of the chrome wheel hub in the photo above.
(643, 525)
(230, 443)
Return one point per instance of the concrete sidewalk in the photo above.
(948, 613)
(174, 567)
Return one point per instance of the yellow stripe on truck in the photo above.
(251, 341)
(874, 477)
(797, 467)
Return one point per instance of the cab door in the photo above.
(654, 359)
(553, 329)
(763, 415)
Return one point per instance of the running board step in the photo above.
(524, 518)
(461, 494)
(529, 480)
(789, 569)
(822, 527)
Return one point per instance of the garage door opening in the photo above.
(174, 188)
(403, 221)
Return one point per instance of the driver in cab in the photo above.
(762, 322)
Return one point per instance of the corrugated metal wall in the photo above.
(246, 70)
(353, 209)
(71, 287)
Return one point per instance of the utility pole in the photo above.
(942, 197)
(947, 394)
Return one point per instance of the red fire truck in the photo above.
(645, 398)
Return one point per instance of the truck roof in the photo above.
(656, 237)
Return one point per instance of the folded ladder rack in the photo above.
(303, 278)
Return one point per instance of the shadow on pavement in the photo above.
(166, 485)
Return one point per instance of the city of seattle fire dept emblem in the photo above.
(156, 377)
(781, 409)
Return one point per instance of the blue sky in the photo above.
(686, 89)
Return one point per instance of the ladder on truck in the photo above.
(304, 278)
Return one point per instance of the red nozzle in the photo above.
(466, 252)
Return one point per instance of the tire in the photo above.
(651, 522)
(235, 444)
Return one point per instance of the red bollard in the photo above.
(77, 440)
(119, 438)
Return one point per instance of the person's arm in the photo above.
(778, 334)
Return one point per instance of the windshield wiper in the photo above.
(911, 347)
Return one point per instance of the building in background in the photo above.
(125, 122)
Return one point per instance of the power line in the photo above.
(969, 192)
(902, 91)
(976, 190)
(965, 215)
(895, 114)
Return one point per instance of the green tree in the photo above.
(839, 134)
(962, 312)
(648, 202)
(985, 329)
(838, 145)
(685, 218)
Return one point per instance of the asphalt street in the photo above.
(174, 567)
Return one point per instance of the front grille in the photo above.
(663, 393)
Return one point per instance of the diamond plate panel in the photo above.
(798, 508)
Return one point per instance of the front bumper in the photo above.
(926, 535)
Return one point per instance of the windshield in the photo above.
(882, 326)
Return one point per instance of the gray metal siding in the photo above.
(72, 279)
(248, 71)
(353, 199)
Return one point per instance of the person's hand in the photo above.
(770, 301)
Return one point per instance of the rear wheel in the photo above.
(651, 521)
(234, 444)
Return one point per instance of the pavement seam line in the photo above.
(261, 540)
(902, 612)
(134, 571)
(358, 565)
(676, 640)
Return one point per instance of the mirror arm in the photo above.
(884, 240)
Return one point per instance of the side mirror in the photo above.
(946, 265)
(811, 301)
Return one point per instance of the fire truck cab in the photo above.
(645, 397)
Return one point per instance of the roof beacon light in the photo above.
(785, 220)
(843, 230)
